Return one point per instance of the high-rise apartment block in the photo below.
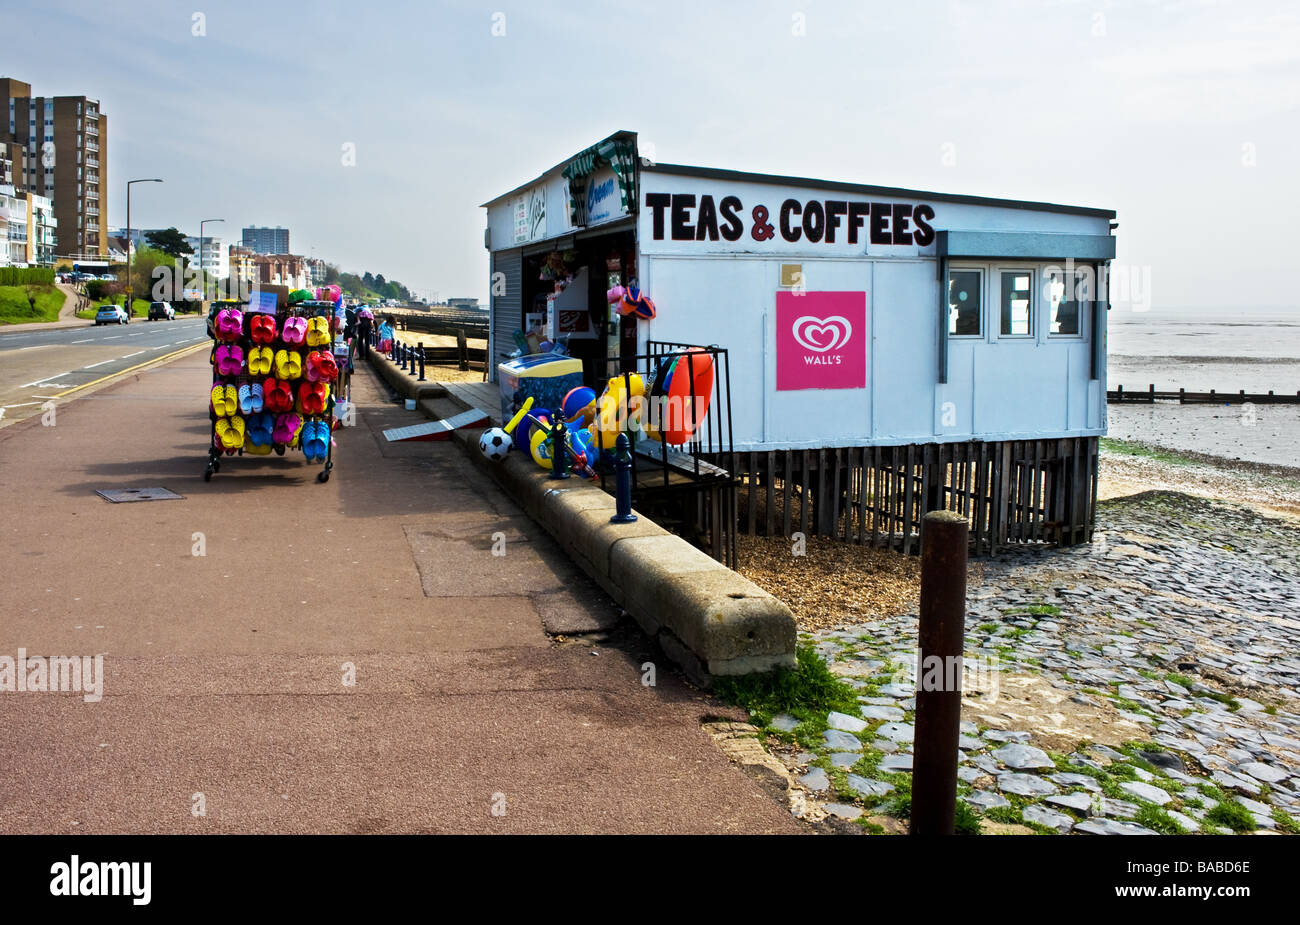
(65, 142)
(266, 240)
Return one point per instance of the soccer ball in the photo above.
(495, 444)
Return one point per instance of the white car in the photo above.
(161, 311)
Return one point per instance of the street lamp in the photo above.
(130, 293)
(201, 270)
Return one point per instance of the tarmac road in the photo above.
(39, 364)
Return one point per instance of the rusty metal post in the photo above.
(938, 674)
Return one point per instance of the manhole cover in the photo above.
(122, 495)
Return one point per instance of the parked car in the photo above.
(112, 314)
(161, 311)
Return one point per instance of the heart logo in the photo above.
(822, 334)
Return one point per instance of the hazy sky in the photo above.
(1154, 109)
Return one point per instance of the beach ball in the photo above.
(495, 444)
(579, 403)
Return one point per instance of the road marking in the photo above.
(138, 334)
(22, 404)
(129, 355)
(100, 363)
(86, 341)
(122, 372)
(46, 379)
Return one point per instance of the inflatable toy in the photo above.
(495, 444)
(615, 295)
(519, 416)
(687, 394)
(580, 403)
(540, 448)
(635, 302)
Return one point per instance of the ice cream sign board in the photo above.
(821, 340)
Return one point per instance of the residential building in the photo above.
(9, 206)
(41, 228)
(316, 269)
(214, 259)
(266, 240)
(282, 270)
(243, 268)
(66, 142)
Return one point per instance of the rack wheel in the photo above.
(322, 476)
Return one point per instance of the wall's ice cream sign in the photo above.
(821, 340)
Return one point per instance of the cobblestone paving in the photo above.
(1146, 683)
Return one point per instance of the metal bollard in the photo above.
(422, 362)
(559, 451)
(410, 356)
(397, 351)
(938, 675)
(623, 481)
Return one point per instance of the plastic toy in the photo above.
(579, 404)
(635, 302)
(688, 392)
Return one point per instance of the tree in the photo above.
(331, 273)
(147, 259)
(169, 241)
(352, 284)
(368, 280)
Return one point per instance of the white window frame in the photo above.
(982, 286)
(1084, 309)
(1032, 333)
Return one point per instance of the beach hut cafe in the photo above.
(887, 351)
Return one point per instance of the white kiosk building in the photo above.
(891, 351)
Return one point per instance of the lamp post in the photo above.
(201, 270)
(130, 293)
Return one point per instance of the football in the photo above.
(495, 444)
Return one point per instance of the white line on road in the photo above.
(138, 334)
(86, 341)
(100, 363)
(46, 379)
(129, 355)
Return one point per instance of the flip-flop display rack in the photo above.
(274, 375)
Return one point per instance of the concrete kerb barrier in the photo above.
(706, 617)
(402, 381)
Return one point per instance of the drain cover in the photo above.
(123, 495)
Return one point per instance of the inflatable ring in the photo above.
(692, 374)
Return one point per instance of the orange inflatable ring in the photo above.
(692, 373)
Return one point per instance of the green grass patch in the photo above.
(967, 822)
(15, 309)
(1133, 448)
(1039, 610)
(1284, 822)
(1232, 815)
(1180, 679)
(807, 692)
(1008, 815)
(1156, 819)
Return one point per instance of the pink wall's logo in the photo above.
(821, 340)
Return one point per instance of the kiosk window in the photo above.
(1015, 304)
(964, 303)
(1065, 293)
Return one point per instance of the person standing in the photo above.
(364, 322)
